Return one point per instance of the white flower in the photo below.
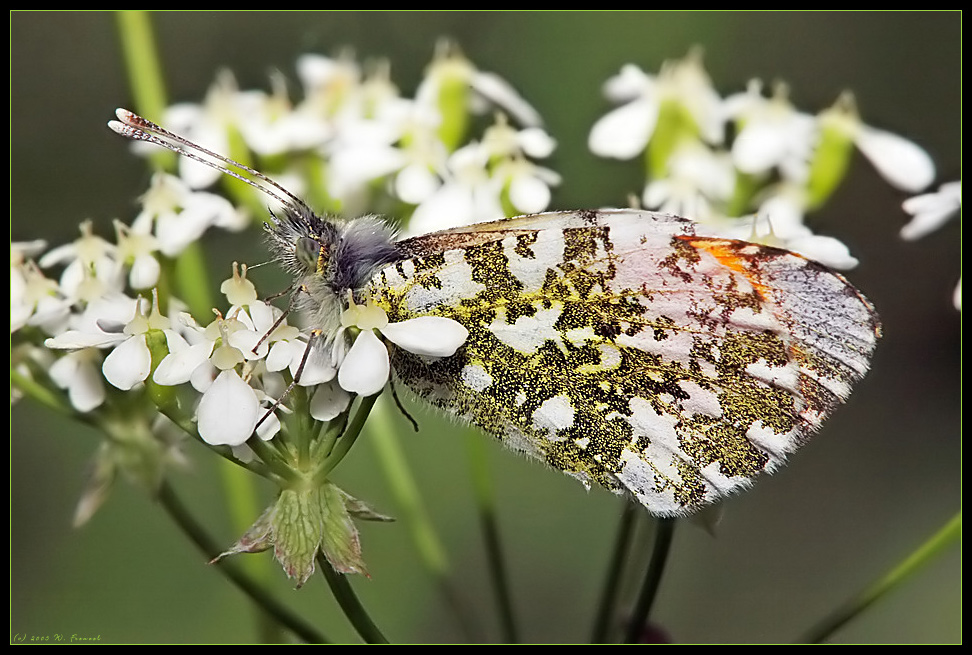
(91, 266)
(266, 335)
(829, 251)
(79, 373)
(365, 151)
(529, 185)
(100, 325)
(180, 215)
(698, 180)
(624, 133)
(773, 134)
(501, 140)
(468, 195)
(129, 361)
(207, 125)
(449, 67)
(931, 210)
(232, 403)
(330, 85)
(499, 93)
(329, 401)
(901, 162)
(137, 251)
(229, 408)
(270, 125)
(365, 368)
(34, 299)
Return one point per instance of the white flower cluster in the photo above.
(351, 138)
(715, 159)
(374, 141)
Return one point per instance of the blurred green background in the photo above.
(883, 474)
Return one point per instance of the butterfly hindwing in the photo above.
(627, 351)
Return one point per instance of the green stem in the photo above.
(192, 282)
(612, 584)
(178, 512)
(271, 460)
(243, 504)
(486, 506)
(349, 602)
(144, 72)
(42, 394)
(174, 414)
(347, 439)
(382, 436)
(947, 534)
(649, 587)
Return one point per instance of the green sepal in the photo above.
(164, 397)
(832, 157)
(305, 522)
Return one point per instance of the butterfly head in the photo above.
(303, 243)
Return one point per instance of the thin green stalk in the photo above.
(349, 602)
(946, 535)
(243, 505)
(649, 587)
(382, 436)
(486, 506)
(191, 277)
(347, 439)
(144, 72)
(257, 593)
(43, 395)
(192, 282)
(384, 439)
(612, 583)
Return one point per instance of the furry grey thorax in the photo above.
(328, 258)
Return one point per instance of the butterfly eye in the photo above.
(308, 252)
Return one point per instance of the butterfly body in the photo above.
(327, 259)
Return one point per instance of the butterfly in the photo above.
(622, 347)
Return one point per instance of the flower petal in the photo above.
(86, 391)
(901, 162)
(624, 132)
(328, 402)
(529, 194)
(433, 336)
(826, 250)
(177, 367)
(228, 411)
(128, 364)
(365, 368)
(931, 210)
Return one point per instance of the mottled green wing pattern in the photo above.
(622, 349)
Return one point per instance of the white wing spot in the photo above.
(476, 377)
(554, 414)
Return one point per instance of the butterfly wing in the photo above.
(622, 349)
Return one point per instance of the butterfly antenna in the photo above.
(133, 126)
